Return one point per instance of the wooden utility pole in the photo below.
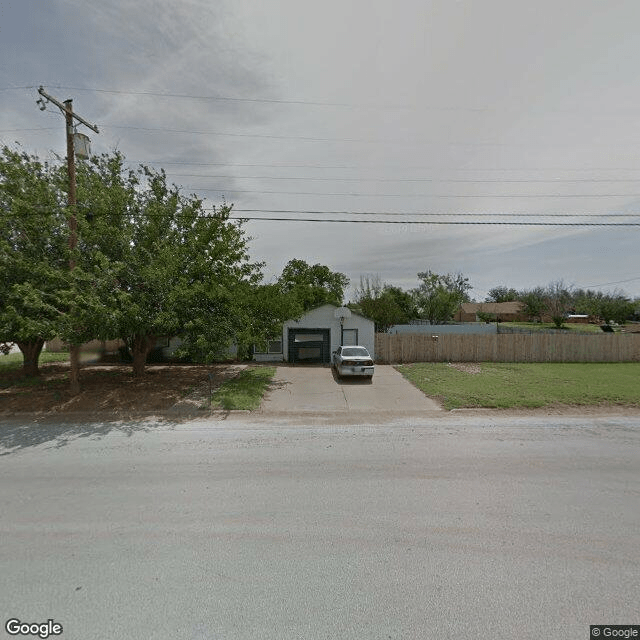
(74, 349)
(71, 170)
(69, 115)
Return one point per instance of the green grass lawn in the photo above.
(510, 385)
(13, 361)
(569, 327)
(245, 391)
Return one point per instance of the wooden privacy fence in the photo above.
(507, 348)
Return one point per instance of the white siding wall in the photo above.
(324, 318)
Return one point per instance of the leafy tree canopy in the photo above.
(177, 269)
(502, 294)
(611, 307)
(148, 262)
(312, 285)
(534, 302)
(438, 297)
(386, 305)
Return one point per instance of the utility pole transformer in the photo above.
(70, 116)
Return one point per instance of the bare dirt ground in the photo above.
(112, 389)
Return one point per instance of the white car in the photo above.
(352, 361)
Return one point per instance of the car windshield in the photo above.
(355, 351)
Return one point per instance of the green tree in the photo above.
(386, 305)
(312, 285)
(41, 296)
(558, 301)
(33, 254)
(501, 294)
(534, 302)
(611, 307)
(264, 309)
(438, 297)
(179, 271)
(148, 262)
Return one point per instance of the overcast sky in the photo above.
(426, 107)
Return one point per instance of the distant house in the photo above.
(500, 311)
(318, 333)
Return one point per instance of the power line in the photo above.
(28, 129)
(360, 167)
(318, 103)
(368, 167)
(250, 135)
(162, 94)
(448, 222)
(606, 284)
(429, 180)
(448, 143)
(422, 195)
(442, 214)
(434, 214)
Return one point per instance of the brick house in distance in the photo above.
(501, 311)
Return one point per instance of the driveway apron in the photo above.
(303, 389)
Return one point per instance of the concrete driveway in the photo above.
(317, 389)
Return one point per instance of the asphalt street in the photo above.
(250, 528)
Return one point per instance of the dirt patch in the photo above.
(112, 389)
(466, 367)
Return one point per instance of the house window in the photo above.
(308, 337)
(275, 346)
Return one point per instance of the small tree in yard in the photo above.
(263, 309)
(534, 302)
(384, 304)
(558, 302)
(438, 297)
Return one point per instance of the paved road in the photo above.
(459, 527)
(318, 389)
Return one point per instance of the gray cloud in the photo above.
(490, 92)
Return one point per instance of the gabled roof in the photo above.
(333, 306)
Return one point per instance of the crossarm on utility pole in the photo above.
(63, 108)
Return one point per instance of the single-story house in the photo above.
(317, 334)
(578, 318)
(501, 311)
(310, 339)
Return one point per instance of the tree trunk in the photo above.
(140, 347)
(30, 354)
(74, 371)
